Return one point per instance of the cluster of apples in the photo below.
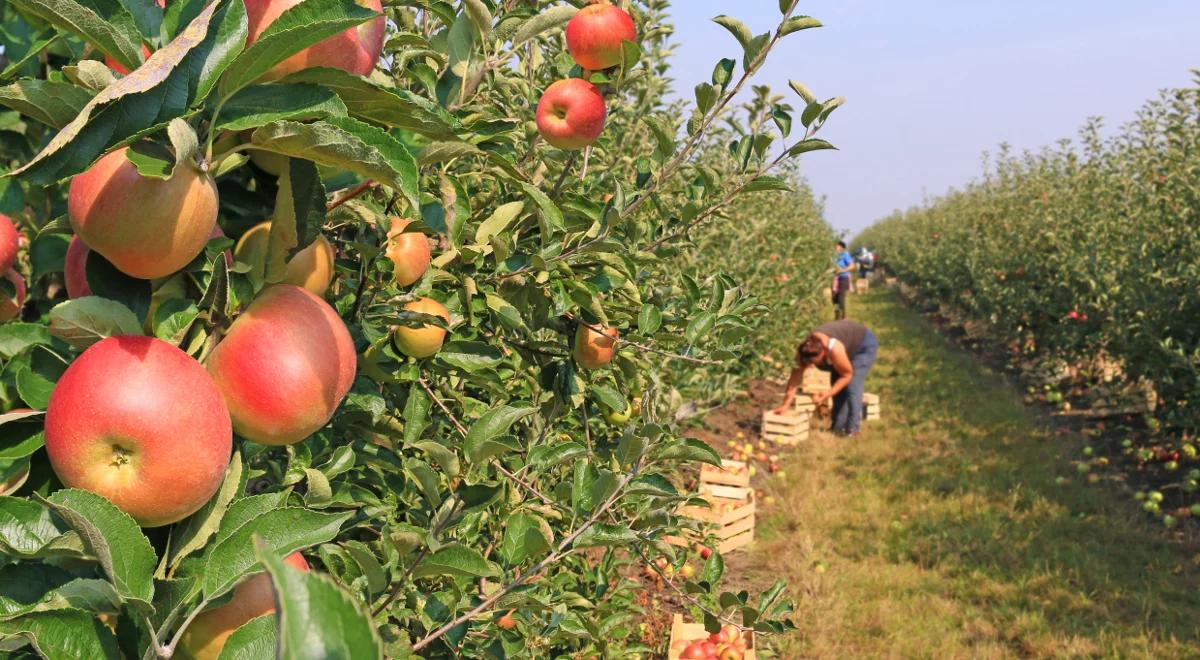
(571, 112)
(745, 451)
(728, 643)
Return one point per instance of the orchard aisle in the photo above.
(942, 533)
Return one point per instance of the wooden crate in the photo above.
(731, 473)
(690, 632)
(871, 407)
(862, 285)
(732, 518)
(891, 281)
(815, 381)
(785, 429)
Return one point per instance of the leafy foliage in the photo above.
(485, 478)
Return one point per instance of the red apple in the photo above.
(595, 35)
(10, 241)
(284, 366)
(425, 341)
(138, 421)
(146, 227)
(594, 349)
(570, 114)
(206, 636)
(507, 622)
(311, 268)
(409, 252)
(10, 308)
(355, 50)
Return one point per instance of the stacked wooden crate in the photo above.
(731, 506)
(815, 381)
(862, 285)
(788, 429)
(683, 634)
(871, 407)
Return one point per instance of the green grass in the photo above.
(941, 532)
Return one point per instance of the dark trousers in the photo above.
(848, 404)
(839, 297)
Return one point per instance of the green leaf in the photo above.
(690, 449)
(84, 321)
(549, 213)
(317, 618)
(606, 535)
(524, 538)
(139, 103)
(811, 144)
(480, 16)
(802, 91)
(285, 530)
(37, 375)
(193, 533)
(52, 103)
(295, 29)
(552, 18)
(699, 326)
(245, 509)
(299, 215)
(610, 398)
(17, 337)
(104, 23)
(768, 182)
(173, 318)
(498, 221)
(382, 105)
(442, 455)
(66, 634)
(737, 28)
(114, 538)
(723, 72)
(470, 356)
(649, 319)
(797, 23)
(416, 413)
(456, 560)
(346, 144)
(253, 640)
(262, 104)
(441, 152)
(547, 456)
(21, 434)
(26, 528)
(493, 424)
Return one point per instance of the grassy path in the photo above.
(941, 532)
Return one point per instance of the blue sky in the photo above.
(931, 85)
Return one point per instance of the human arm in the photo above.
(793, 384)
(844, 369)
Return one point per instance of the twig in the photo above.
(355, 192)
(563, 176)
(563, 549)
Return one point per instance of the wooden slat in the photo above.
(690, 632)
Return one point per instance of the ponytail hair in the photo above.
(809, 351)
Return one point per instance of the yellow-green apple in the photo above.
(10, 241)
(570, 114)
(10, 307)
(618, 417)
(355, 49)
(594, 349)
(311, 268)
(595, 35)
(147, 227)
(426, 340)
(206, 636)
(409, 252)
(284, 366)
(138, 421)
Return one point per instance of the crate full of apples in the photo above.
(731, 473)
(690, 641)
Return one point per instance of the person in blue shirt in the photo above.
(841, 283)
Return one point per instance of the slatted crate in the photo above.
(862, 285)
(731, 473)
(685, 633)
(815, 381)
(785, 429)
(731, 520)
(871, 407)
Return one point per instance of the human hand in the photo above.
(819, 398)
(781, 410)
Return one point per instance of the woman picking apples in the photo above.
(845, 348)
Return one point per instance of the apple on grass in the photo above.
(147, 227)
(284, 366)
(426, 340)
(571, 114)
(139, 422)
(354, 50)
(596, 34)
(255, 597)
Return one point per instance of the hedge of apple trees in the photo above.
(337, 330)
(1088, 253)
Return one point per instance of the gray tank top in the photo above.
(851, 334)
